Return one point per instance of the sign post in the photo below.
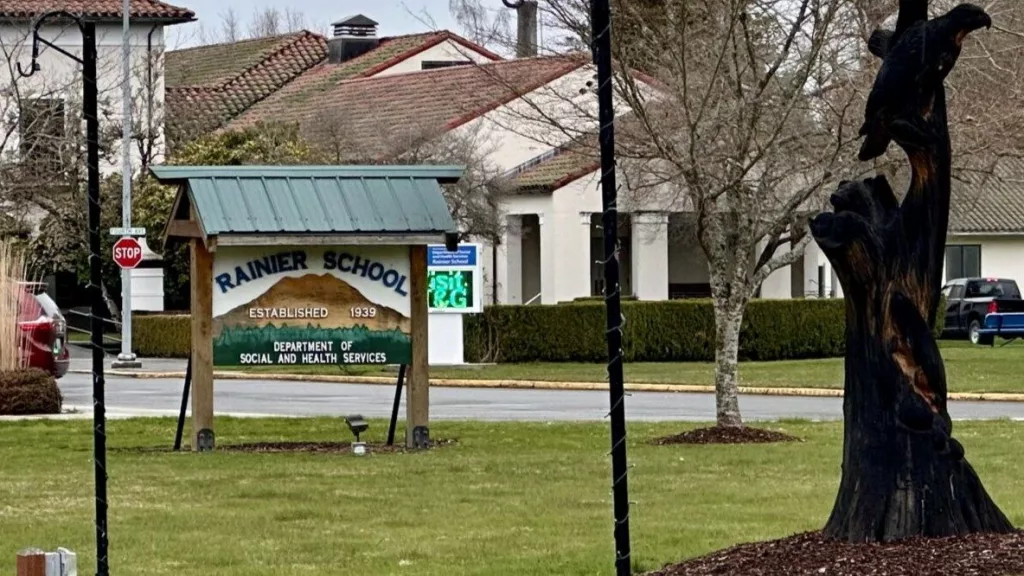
(127, 255)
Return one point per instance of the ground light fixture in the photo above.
(357, 424)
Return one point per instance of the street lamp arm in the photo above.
(512, 3)
(36, 40)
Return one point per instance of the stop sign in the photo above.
(127, 252)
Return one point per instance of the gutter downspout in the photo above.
(147, 154)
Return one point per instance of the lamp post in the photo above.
(600, 21)
(89, 105)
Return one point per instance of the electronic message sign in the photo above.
(453, 279)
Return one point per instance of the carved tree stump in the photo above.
(903, 473)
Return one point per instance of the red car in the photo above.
(45, 332)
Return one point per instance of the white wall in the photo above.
(59, 75)
(446, 51)
(516, 132)
(1000, 255)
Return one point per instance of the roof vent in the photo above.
(353, 36)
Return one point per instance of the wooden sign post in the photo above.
(202, 346)
(417, 407)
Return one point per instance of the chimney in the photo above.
(353, 36)
(526, 20)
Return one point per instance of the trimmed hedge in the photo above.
(29, 391)
(161, 335)
(668, 331)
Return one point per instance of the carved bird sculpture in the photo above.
(917, 57)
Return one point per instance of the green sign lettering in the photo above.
(450, 289)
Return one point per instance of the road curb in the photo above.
(541, 385)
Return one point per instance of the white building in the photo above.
(40, 108)
(369, 97)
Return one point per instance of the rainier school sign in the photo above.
(295, 305)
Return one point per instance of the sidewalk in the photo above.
(175, 368)
(83, 364)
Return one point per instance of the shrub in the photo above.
(12, 273)
(672, 331)
(29, 391)
(667, 331)
(161, 335)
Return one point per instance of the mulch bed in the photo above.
(727, 435)
(811, 553)
(343, 448)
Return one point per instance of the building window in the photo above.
(963, 261)
(435, 64)
(41, 131)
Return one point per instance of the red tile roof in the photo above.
(380, 115)
(582, 156)
(96, 9)
(209, 85)
(216, 64)
(564, 166)
(223, 80)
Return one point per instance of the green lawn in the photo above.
(969, 369)
(524, 499)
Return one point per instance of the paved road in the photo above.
(128, 396)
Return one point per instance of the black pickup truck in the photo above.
(969, 300)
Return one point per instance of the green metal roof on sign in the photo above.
(266, 200)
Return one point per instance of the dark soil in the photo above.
(727, 435)
(812, 553)
(295, 448)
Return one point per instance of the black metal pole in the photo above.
(95, 280)
(184, 404)
(398, 402)
(600, 14)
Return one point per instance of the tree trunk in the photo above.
(727, 345)
(903, 473)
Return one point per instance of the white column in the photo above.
(565, 257)
(835, 282)
(650, 255)
(810, 288)
(510, 262)
(778, 284)
(548, 259)
(574, 258)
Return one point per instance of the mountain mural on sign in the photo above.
(314, 291)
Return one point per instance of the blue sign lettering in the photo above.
(295, 260)
(440, 256)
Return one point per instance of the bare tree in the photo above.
(230, 26)
(475, 201)
(294, 20)
(732, 118)
(270, 21)
(266, 22)
(742, 116)
(488, 25)
(42, 146)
